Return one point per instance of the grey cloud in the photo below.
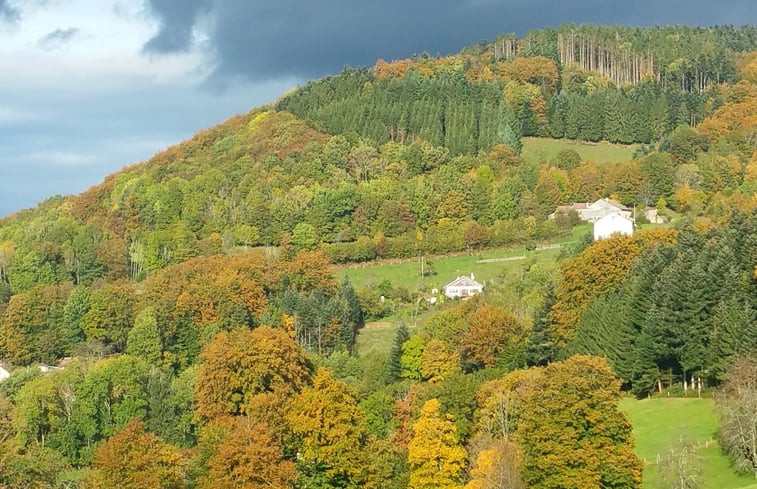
(267, 39)
(57, 37)
(177, 18)
(8, 12)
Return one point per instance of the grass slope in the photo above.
(537, 150)
(657, 423)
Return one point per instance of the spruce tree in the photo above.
(394, 366)
(540, 348)
(351, 315)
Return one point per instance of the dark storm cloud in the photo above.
(266, 39)
(177, 18)
(8, 13)
(57, 37)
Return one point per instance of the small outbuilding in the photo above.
(610, 224)
(463, 287)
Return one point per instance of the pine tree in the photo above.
(508, 130)
(351, 315)
(613, 117)
(394, 366)
(556, 116)
(540, 349)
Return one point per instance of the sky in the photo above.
(90, 86)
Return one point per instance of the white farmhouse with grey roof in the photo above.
(463, 287)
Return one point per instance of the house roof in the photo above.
(463, 282)
(613, 203)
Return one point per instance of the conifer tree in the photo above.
(394, 366)
(540, 349)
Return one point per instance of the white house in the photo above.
(594, 211)
(610, 224)
(463, 287)
(4, 374)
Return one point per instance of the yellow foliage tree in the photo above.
(330, 427)
(497, 468)
(438, 361)
(435, 456)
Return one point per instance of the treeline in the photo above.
(175, 312)
(445, 110)
(467, 107)
(685, 57)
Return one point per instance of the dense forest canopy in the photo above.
(203, 340)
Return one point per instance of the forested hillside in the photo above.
(191, 332)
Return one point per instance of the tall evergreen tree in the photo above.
(540, 349)
(394, 366)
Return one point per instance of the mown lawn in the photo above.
(544, 149)
(658, 423)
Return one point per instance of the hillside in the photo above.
(199, 319)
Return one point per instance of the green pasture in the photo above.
(537, 150)
(658, 423)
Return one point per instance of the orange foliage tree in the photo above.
(491, 329)
(243, 453)
(135, 459)
(240, 366)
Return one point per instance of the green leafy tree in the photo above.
(144, 338)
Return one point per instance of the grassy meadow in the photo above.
(537, 150)
(659, 422)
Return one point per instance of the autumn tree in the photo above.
(436, 459)
(496, 467)
(309, 270)
(136, 459)
(597, 270)
(242, 364)
(243, 453)
(438, 361)
(491, 330)
(501, 401)
(571, 431)
(331, 429)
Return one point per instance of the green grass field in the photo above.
(544, 149)
(406, 273)
(657, 423)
